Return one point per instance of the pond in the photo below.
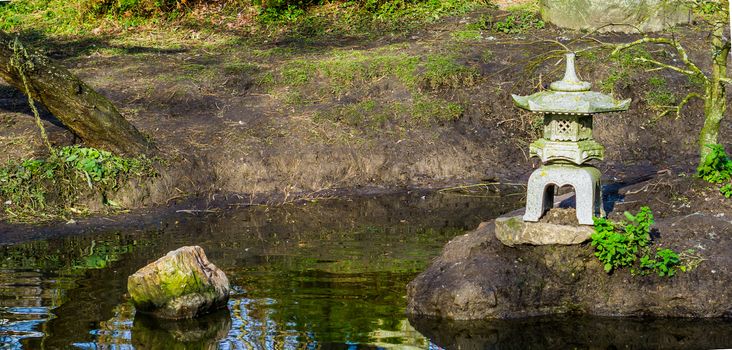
(318, 275)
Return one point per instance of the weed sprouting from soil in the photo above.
(626, 244)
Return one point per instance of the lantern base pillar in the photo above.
(584, 179)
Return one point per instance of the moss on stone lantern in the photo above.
(567, 143)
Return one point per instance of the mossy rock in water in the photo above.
(182, 284)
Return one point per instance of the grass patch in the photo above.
(378, 117)
(344, 71)
(618, 78)
(659, 96)
(467, 35)
(233, 68)
(51, 188)
(442, 71)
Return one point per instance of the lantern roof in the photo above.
(570, 96)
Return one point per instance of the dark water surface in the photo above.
(317, 276)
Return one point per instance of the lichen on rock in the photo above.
(182, 284)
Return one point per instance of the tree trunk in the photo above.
(715, 103)
(85, 112)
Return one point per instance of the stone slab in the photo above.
(512, 230)
(627, 16)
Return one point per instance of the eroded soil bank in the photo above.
(477, 277)
(272, 121)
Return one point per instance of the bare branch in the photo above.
(692, 69)
(664, 65)
(680, 106)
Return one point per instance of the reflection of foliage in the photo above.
(98, 256)
(70, 256)
(342, 288)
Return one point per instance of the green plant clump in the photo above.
(617, 249)
(626, 244)
(664, 264)
(716, 168)
(51, 187)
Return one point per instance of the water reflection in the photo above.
(578, 332)
(325, 275)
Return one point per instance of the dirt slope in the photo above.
(234, 117)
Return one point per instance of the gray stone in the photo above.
(513, 230)
(182, 284)
(571, 96)
(584, 179)
(615, 15)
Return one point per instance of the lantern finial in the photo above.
(570, 82)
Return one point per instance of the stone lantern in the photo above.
(568, 107)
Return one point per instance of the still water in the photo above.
(326, 275)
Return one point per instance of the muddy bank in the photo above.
(477, 277)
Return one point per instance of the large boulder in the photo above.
(478, 277)
(182, 284)
(625, 15)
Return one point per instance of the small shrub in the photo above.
(134, 8)
(717, 168)
(617, 249)
(726, 190)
